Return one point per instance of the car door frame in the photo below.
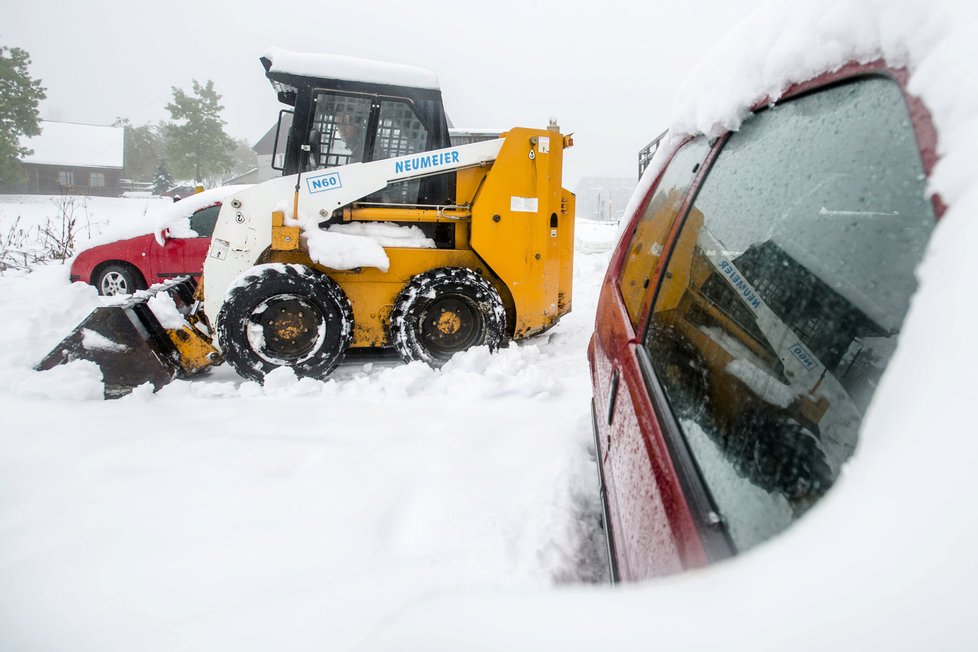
(670, 478)
(619, 353)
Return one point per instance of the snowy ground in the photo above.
(396, 508)
(220, 514)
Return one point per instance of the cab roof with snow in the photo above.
(291, 72)
(304, 81)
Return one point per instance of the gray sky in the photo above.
(607, 72)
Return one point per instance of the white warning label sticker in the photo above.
(524, 204)
(219, 249)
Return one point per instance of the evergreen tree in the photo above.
(19, 98)
(162, 181)
(196, 143)
(144, 147)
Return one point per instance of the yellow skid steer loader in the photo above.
(380, 233)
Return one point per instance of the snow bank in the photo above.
(80, 380)
(333, 66)
(473, 375)
(194, 518)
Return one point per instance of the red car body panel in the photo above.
(154, 262)
(650, 520)
(176, 257)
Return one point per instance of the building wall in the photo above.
(56, 179)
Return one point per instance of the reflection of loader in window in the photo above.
(758, 349)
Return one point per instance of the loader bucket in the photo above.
(128, 342)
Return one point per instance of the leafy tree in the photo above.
(196, 144)
(162, 181)
(144, 148)
(19, 98)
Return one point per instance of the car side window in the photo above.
(784, 295)
(645, 246)
(203, 221)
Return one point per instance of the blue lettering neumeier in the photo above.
(424, 161)
(746, 291)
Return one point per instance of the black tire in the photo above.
(778, 454)
(284, 316)
(116, 279)
(444, 311)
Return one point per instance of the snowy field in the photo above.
(220, 514)
(394, 507)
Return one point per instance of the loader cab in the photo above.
(336, 121)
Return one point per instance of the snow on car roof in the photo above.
(334, 66)
(786, 42)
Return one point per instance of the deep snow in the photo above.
(220, 514)
(396, 508)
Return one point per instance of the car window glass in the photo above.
(646, 244)
(202, 222)
(784, 295)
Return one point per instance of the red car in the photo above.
(125, 266)
(748, 312)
